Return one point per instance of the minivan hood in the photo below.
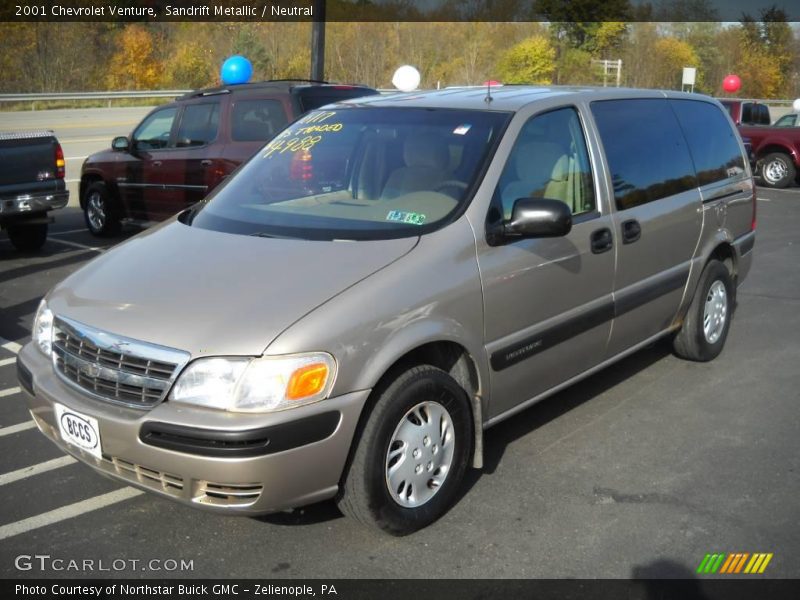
(212, 293)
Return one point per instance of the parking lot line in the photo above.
(25, 472)
(17, 428)
(84, 230)
(67, 512)
(7, 361)
(9, 345)
(9, 392)
(76, 245)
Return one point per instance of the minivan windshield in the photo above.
(357, 173)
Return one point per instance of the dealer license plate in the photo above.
(79, 430)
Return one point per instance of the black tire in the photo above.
(692, 342)
(28, 238)
(365, 494)
(100, 210)
(777, 170)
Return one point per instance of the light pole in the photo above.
(318, 42)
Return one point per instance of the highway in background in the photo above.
(81, 132)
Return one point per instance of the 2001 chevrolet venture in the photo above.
(382, 282)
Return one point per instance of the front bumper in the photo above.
(24, 204)
(293, 473)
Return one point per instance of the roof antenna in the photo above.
(488, 98)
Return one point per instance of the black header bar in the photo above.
(585, 11)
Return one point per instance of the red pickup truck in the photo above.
(777, 153)
(775, 150)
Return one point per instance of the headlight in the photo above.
(256, 384)
(43, 329)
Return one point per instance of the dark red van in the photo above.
(184, 149)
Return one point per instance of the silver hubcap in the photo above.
(774, 171)
(716, 311)
(95, 211)
(420, 454)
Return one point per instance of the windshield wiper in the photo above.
(264, 234)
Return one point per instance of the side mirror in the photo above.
(538, 217)
(120, 143)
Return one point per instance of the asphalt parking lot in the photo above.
(638, 471)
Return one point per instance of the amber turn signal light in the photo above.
(307, 381)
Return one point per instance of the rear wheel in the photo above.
(100, 211)
(28, 238)
(777, 170)
(706, 326)
(412, 453)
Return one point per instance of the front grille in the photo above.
(117, 369)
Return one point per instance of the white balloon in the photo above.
(406, 78)
(796, 105)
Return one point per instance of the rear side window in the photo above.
(763, 114)
(257, 120)
(646, 151)
(199, 125)
(747, 113)
(712, 141)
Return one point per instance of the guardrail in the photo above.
(110, 96)
(49, 97)
(91, 95)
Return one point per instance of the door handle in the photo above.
(631, 231)
(206, 162)
(156, 163)
(602, 240)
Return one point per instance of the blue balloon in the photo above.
(236, 69)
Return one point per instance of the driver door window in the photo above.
(154, 132)
(549, 160)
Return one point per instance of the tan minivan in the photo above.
(385, 280)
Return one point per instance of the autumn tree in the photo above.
(608, 39)
(247, 42)
(577, 22)
(33, 56)
(670, 56)
(133, 66)
(768, 41)
(575, 67)
(530, 61)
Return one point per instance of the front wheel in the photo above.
(412, 453)
(706, 326)
(777, 170)
(99, 211)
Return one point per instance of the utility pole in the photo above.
(318, 41)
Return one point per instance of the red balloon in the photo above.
(731, 83)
